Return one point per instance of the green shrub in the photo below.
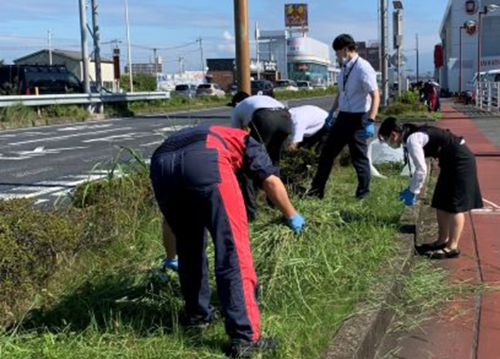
(31, 242)
(142, 82)
(18, 116)
(408, 97)
(400, 109)
(72, 111)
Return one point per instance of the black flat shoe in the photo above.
(427, 247)
(444, 253)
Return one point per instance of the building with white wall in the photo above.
(298, 57)
(457, 13)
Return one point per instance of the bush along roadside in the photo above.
(104, 300)
(23, 116)
(408, 106)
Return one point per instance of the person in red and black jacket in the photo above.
(194, 179)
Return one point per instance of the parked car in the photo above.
(304, 85)
(185, 90)
(493, 75)
(46, 79)
(262, 87)
(205, 90)
(320, 86)
(285, 85)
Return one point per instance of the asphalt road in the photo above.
(45, 163)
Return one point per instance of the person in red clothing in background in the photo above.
(194, 180)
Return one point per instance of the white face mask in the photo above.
(343, 60)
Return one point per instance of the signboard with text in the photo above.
(296, 15)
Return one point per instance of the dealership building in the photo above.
(453, 29)
(298, 57)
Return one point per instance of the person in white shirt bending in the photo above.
(308, 126)
(457, 190)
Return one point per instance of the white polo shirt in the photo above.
(357, 79)
(243, 112)
(306, 121)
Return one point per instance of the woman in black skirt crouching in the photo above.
(457, 189)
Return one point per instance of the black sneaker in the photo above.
(246, 349)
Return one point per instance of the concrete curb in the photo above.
(360, 336)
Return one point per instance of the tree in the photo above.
(142, 82)
(2, 62)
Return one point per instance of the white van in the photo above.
(493, 75)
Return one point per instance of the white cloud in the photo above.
(228, 36)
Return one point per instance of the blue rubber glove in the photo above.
(330, 119)
(172, 264)
(296, 223)
(408, 197)
(369, 129)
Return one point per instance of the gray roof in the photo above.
(72, 55)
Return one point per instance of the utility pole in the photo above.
(384, 21)
(181, 65)
(398, 38)
(242, 45)
(49, 42)
(202, 58)
(85, 54)
(129, 51)
(257, 50)
(97, 50)
(418, 58)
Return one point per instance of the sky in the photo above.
(173, 26)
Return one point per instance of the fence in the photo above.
(93, 101)
(488, 95)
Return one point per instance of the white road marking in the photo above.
(84, 127)
(57, 138)
(488, 208)
(39, 151)
(124, 137)
(151, 143)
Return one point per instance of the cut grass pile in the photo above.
(106, 302)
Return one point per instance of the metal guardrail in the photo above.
(488, 96)
(81, 99)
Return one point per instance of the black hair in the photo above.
(388, 126)
(343, 41)
(238, 97)
(392, 124)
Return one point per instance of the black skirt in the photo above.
(457, 189)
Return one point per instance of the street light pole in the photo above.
(85, 54)
(97, 49)
(418, 58)
(129, 51)
(384, 20)
(242, 45)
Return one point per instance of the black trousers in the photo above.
(345, 131)
(319, 138)
(271, 127)
(198, 191)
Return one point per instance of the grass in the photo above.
(107, 302)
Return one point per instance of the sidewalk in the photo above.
(473, 333)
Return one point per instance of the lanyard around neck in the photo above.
(348, 73)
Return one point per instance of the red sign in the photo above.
(296, 15)
(438, 56)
